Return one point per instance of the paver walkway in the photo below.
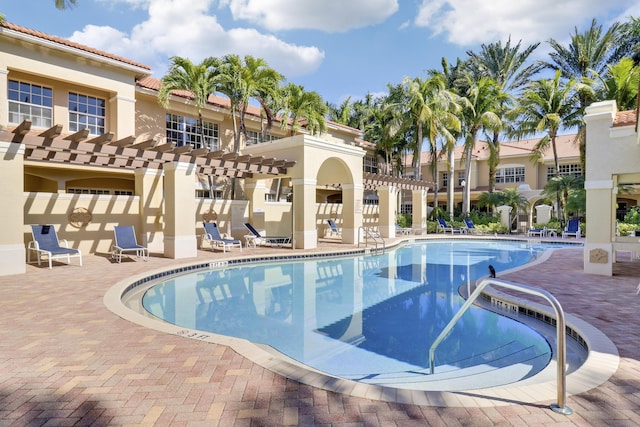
(65, 360)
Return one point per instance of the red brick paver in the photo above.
(67, 360)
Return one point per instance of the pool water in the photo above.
(369, 318)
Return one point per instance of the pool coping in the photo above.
(601, 363)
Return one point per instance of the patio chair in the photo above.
(469, 227)
(541, 232)
(259, 239)
(333, 228)
(572, 229)
(442, 225)
(214, 239)
(45, 243)
(403, 231)
(124, 240)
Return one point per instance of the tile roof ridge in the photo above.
(65, 42)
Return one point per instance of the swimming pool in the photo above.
(369, 318)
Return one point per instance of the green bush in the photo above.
(404, 220)
(633, 216)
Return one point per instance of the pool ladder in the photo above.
(560, 407)
(367, 234)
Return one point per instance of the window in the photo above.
(269, 197)
(184, 130)
(206, 194)
(87, 112)
(510, 175)
(254, 138)
(571, 169)
(406, 208)
(370, 164)
(445, 179)
(30, 102)
(460, 178)
(99, 191)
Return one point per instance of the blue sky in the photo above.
(339, 48)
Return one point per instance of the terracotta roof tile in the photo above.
(69, 43)
(625, 118)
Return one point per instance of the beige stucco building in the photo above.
(87, 146)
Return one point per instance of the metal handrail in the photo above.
(368, 235)
(560, 407)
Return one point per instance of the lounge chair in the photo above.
(45, 242)
(214, 239)
(442, 225)
(403, 231)
(124, 240)
(541, 232)
(259, 239)
(469, 227)
(572, 229)
(333, 229)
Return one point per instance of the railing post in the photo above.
(561, 338)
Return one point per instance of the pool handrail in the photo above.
(369, 234)
(561, 406)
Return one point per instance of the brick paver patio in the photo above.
(66, 360)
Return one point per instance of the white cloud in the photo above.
(327, 15)
(469, 22)
(186, 28)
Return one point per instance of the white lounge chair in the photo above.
(214, 239)
(45, 243)
(124, 240)
(572, 229)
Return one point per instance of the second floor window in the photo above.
(183, 130)
(87, 112)
(509, 175)
(571, 169)
(30, 102)
(254, 138)
(370, 164)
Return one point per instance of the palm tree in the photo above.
(64, 4)
(341, 113)
(197, 80)
(242, 80)
(620, 83)
(490, 199)
(628, 40)
(562, 187)
(518, 203)
(302, 107)
(587, 55)
(547, 106)
(482, 99)
(506, 66)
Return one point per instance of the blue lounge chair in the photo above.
(214, 239)
(333, 228)
(403, 230)
(442, 225)
(469, 227)
(259, 239)
(572, 229)
(542, 232)
(124, 240)
(45, 243)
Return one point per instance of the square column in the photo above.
(387, 197)
(419, 211)
(149, 189)
(254, 192)
(352, 196)
(305, 233)
(12, 249)
(180, 211)
(598, 250)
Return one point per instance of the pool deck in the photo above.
(65, 359)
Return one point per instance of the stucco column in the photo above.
(4, 100)
(254, 193)
(420, 213)
(352, 195)
(387, 197)
(505, 216)
(543, 214)
(123, 113)
(598, 249)
(180, 211)
(12, 228)
(305, 233)
(149, 189)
